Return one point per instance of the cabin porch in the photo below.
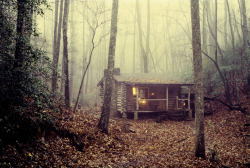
(173, 114)
(165, 99)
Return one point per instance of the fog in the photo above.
(170, 48)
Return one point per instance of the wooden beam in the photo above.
(189, 97)
(137, 99)
(153, 99)
(177, 102)
(167, 98)
(136, 115)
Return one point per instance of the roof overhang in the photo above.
(148, 79)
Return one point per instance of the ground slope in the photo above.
(146, 144)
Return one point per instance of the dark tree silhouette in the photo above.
(198, 83)
(104, 120)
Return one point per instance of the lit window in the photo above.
(143, 92)
(134, 91)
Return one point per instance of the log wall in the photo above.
(101, 93)
(124, 101)
(131, 103)
(121, 93)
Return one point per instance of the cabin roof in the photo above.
(146, 78)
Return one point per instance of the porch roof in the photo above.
(147, 78)
(144, 78)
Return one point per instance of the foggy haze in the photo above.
(170, 37)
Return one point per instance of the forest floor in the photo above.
(147, 144)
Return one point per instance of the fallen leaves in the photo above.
(166, 144)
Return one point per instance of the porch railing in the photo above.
(179, 102)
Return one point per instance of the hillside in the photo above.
(145, 144)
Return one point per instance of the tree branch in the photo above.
(231, 107)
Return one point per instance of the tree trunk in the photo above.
(65, 52)
(105, 42)
(210, 20)
(225, 25)
(167, 56)
(62, 77)
(55, 26)
(57, 52)
(215, 32)
(123, 54)
(84, 56)
(231, 28)
(222, 76)
(92, 45)
(23, 30)
(34, 24)
(173, 54)
(72, 47)
(146, 62)
(244, 60)
(134, 46)
(143, 52)
(104, 120)
(234, 53)
(199, 95)
(204, 26)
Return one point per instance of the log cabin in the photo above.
(148, 93)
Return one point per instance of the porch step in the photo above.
(177, 115)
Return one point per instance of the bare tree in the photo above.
(225, 25)
(57, 50)
(148, 38)
(231, 28)
(134, 44)
(23, 30)
(93, 44)
(204, 26)
(215, 32)
(210, 20)
(104, 120)
(244, 60)
(72, 49)
(65, 53)
(234, 52)
(199, 95)
(216, 64)
(84, 47)
(55, 26)
(144, 68)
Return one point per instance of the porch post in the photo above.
(136, 115)
(189, 97)
(189, 110)
(137, 99)
(137, 104)
(177, 102)
(167, 98)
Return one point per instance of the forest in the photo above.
(124, 83)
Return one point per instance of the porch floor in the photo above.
(173, 114)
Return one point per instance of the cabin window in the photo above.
(143, 92)
(134, 91)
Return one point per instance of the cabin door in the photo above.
(161, 94)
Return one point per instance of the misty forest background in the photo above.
(161, 30)
(53, 53)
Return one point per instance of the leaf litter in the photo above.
(149, 144)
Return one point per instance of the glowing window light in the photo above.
(134, 91)
(143, 101)
(152, 93)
